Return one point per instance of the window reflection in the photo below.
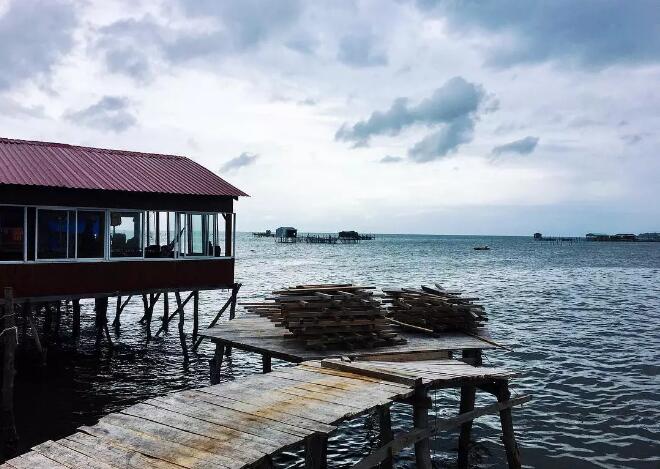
(91, 234)
(53, 240)
(126, 234)
(12, 233)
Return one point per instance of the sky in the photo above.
(496, 117)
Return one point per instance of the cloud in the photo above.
(359, 50)
(244, 159)
(590, 33)
(12, 108)
(34, 35)
(443, 141)
(632, 139)
(110, 113)
(391, 159)
(454, 106)
(524, 146)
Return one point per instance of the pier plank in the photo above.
(68, 457)
(34, 460)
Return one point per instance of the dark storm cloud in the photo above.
(591, 33)
(524, 146)
(360, 50)
(453, 106)
(391, 159)
(244, 159)
(110, 113)
(34, 35)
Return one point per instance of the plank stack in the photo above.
(435, 309)
(330, 316)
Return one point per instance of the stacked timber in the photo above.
(329, 316)
(434, 309)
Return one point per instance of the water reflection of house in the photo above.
(78, 221)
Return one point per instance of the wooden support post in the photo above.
(116, 323)
(216, 362)
(316, 451)
(421, 405)
(508, 436)
(266, 362)
(166, 309)
(9, 336)
(101, 309)
(145, 303)
(35, 331)
(153, 299)
(468, 394)
(76, 318)
(264, 463)
(385, 432)
(195, 316)
(232, 308)
(182, 335)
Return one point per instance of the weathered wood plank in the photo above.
(34, 460)
(68, 457)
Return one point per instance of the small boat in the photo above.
(481, 248)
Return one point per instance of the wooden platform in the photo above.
(257, 334)
(245, 422)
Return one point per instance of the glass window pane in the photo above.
(52, 234)
(220, 236)
(12, 233)
(91, 234)
(126, 234)
(197, 235)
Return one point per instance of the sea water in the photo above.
(582, 318)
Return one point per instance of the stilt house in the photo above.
(80, 222)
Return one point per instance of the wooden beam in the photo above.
(35, 332)
(180, 306)
(364, 370)
(316, 451)
(9, 336)
(385, 433)
(182, 335)
(421, 405)
(266, 362)
(413, 436)
(216, 362)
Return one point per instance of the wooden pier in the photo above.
(246, 422)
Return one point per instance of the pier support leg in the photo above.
(57, 306)
(76, 318)
(8, 434)
(145, 303)
(166, 309)
(29, 317)
(232, 309)
(101, 308)
(421, 405)
(48, 318)
(508, 437)
(468, 394)
(182, 335)
(266, 362)
(316, 451)
(117, 322)
(195, 316)
(385, 432)
(216, 362)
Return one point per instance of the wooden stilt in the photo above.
(101, 309)
(35, 333)
(195, 317)
(232, 309)
(508, 436)
(421, 405)
(76, 318)
(182, 335)
(468, 394)
(385, 432)
(264, 463)
(266, 362)
(316, 451)
(153, 299)
(120, 308)
(216, 363)
(57, 307)
(9, 336)
(166, 309)
(145, 303)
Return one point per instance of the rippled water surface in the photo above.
(583, 319)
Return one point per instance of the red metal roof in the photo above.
(59, 165)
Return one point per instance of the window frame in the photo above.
(213, 233)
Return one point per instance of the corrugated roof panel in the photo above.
(46, 164)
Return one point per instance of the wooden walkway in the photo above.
(245, 422)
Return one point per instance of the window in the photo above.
(12, 233)
(224, 235)
(126, 234)
(55, 229)
(90, 231)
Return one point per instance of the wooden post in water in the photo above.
(232, 309)
(508, 437)
(266, 362)
(385, 432)
(57, 306)
(468, 394)
(166, 309)
(9, 336)
(195, 316)
(48, 317)
(101, 309)
(216, 363)
(182, 335)
(316, 451)
(421, 405)
(76, 318)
